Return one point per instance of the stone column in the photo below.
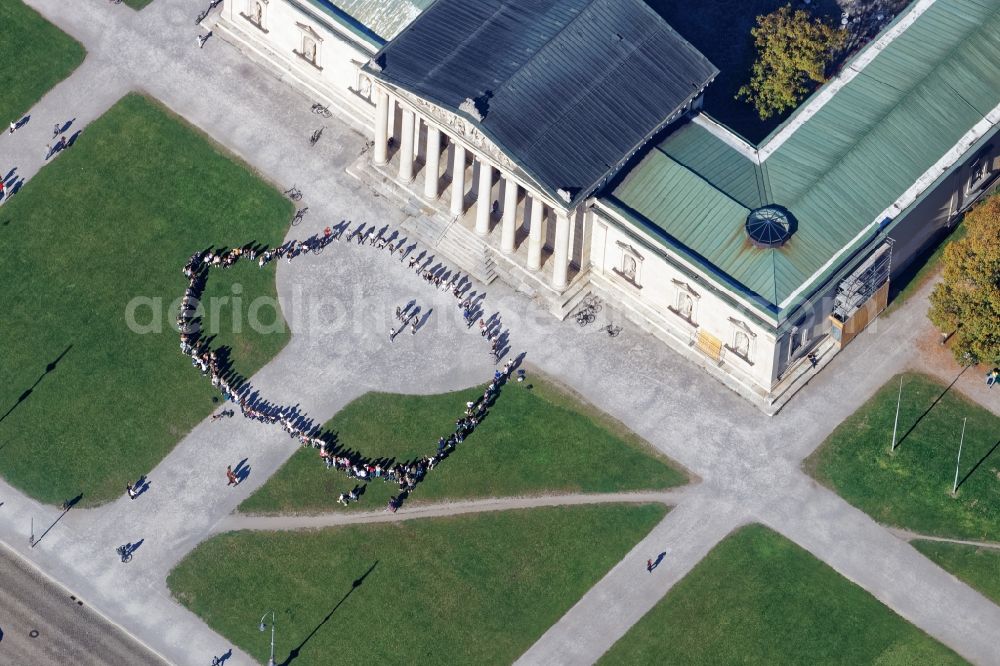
(509, 224)
(458, 180)
(432, 169)
(406, 147)
(560, 254)
(484, 200)
(381, 128)
(535, 234)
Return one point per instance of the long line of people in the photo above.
(235, 388)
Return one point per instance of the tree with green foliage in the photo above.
(792, 52)
(967, 301)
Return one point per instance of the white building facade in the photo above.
(559, 222)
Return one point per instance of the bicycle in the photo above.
(124, 552)
(584, 318)
(613, 330)
(293, 193)
(321, 110)
(203, 15)
(299, 214)
(315, 136)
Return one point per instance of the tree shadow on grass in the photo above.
(293, 655)
(932, 405)
(976, 466)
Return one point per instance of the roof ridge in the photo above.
(899, 102)
(660, 27)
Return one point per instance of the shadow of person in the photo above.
(242, 470)
(659, 558)
(132, 547)
(222, 658)
(141, 485)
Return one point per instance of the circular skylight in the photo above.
(769, 226)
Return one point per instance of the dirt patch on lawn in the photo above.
(934, 359)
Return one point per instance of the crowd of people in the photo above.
(214, 363)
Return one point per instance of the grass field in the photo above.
(114, 218)
(476, 589)
(137, 4)
(533, 441)
(757, 598)
(979, 567)
(912, 488)
(36, 56)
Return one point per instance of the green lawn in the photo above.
(114, 218)
(476, 589)
(533, 441)
(757, 598)
(36, 56)
(912, 488)
(979, 567)
(137, 4)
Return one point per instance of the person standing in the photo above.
(56, 129)
(233, 481)
(13, 127)
(130, 490)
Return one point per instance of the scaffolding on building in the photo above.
(861, 285)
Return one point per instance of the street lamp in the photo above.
(263, 627)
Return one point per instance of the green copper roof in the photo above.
(836, 171)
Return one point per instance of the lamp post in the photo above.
(263, 627)
(895, 423)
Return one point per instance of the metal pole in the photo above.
(954, 487)
(31, 539)
(271, 662)
(895, 424)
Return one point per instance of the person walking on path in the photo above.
(56, 129)
(992, 377)
(130, 490)
(392, 334)
(233, 481)
(13, 127)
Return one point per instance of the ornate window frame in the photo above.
(629, 266)
(260, 23)
(740, 328)
(684, 294)
(308, 34)
(981, 171)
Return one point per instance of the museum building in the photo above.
(561, 146)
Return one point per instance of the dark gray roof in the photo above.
(568, 89)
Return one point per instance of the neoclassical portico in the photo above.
(429, 134)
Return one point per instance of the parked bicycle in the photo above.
(293, 193)
(321, 110)
(299, 214)
(587, 311)
(315, 136)
(124, 552)
(203, 15)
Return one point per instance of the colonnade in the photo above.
(409, 137)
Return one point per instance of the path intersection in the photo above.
(339, 306)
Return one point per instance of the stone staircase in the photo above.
(447, 237)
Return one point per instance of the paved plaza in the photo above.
(338, 305)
